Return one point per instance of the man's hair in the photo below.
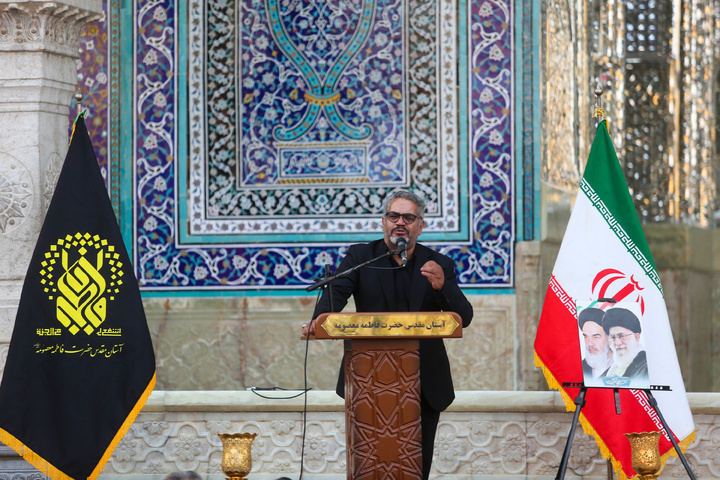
(407, 195)
(188, 475)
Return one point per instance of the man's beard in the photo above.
(598, 361)
(624, 358)
(395, 237)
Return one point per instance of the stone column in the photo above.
(38, 50)
(530, 297)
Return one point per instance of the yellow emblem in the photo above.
(81, 273)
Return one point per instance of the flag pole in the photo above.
(80, 112)
(78, 99)
(598, 112)
(580, 399)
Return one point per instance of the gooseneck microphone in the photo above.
(402, 249)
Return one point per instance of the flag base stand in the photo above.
(653, 403)
(580, 402)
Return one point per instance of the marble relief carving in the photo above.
(23, 476)
(16, 193)
(156, 446)
(243, 343)
(54, 25)
(483, 358)
(468, 445)
(52, 173)
(19, 26)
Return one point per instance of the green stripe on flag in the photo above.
(605, 180)
(615, 226)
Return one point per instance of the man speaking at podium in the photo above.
(417, 279)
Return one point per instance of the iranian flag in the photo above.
(604, 254)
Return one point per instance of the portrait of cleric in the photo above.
(613, 347)
(597, 354)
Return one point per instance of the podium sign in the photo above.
(374, 325)
(382, 387)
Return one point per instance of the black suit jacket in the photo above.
(638, 369)
(374, 291)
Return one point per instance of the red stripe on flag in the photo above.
(557, 342)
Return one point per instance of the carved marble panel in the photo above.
(16, 193)
(53, 27)
(503, 435)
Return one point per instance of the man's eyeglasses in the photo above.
(409, 218)
(620, 336)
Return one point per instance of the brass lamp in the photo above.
(645, 454)
(236, 459)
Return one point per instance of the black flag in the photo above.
(80, 364)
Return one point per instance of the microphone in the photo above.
(402, 249)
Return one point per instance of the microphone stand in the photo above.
(331, 278)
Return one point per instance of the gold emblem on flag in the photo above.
(81, 273)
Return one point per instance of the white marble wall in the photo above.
(509, 435)
(497, 435)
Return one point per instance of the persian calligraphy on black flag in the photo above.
(80, 364)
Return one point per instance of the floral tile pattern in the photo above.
(297, 123)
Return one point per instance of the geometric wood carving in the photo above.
(382, 400)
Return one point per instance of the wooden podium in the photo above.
(382, 387)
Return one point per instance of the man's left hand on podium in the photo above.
(308, 330)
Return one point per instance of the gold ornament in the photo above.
(645, 454)
(236, 459)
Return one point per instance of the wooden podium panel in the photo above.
(382, 387)
(382, 409)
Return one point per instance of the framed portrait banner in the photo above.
(612, 345)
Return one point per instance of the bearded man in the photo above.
(623, 330)
(425, 281)
(598, 356)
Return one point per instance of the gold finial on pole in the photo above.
(79, 99)
(598, 112)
